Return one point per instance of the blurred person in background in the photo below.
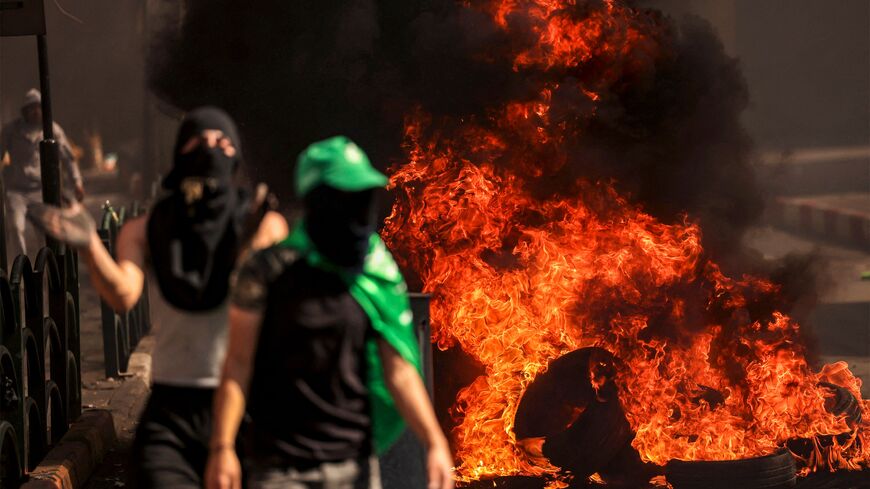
(22, 176)
(322, 346)
(187, 245)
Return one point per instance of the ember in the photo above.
(708, 370)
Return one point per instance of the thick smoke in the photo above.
(666, 128)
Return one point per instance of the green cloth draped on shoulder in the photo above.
(382, 293)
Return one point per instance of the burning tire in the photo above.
(554, 400)
(844, 403)
(574, 411)
(841, 403)
(773, 471)
(516, 482)
(593, 441)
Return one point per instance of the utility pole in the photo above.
(27, 18)
(49, 149)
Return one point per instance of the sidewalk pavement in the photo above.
(125, 399)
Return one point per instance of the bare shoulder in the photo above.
(136, 226)
(131, 247)
(133, 233)
(273, 228)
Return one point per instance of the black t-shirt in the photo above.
(308, 398)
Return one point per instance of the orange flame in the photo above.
(518, 280)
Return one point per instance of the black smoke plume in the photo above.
(667, 129)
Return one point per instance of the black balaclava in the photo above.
(194, 232)
(340, 224)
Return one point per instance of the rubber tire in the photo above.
(845, 403)
(773, 471)
(516, 482)
(544, 409)
(592, 442)
(839, 480)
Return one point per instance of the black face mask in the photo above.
(206, 183)
(204, 162)
(340, 224)
(193, 233)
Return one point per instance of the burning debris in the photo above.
(519, 282)
(708, 368)
(561, 160)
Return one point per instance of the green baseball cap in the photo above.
(339, 163)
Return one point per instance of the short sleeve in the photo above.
(253, 279)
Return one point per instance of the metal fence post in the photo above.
(49, 150)
(39, 343)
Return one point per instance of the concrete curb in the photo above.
(812, 217)
(69, 464)
(78, 455)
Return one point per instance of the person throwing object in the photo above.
(187, 245)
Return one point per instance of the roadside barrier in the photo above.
(40, 359)
(121, 331)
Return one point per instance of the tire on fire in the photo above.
(773, 471)
(571, 414)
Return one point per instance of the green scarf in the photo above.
(382, 293)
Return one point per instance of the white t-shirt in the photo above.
(190, 346)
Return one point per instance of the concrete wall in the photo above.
(807, 63)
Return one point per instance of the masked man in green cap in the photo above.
(322, 345)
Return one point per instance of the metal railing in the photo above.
(40, 359)
(40, 354)
(121, 331)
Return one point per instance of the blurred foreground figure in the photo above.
(188, 245)
(322, 345)
(23, 175)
